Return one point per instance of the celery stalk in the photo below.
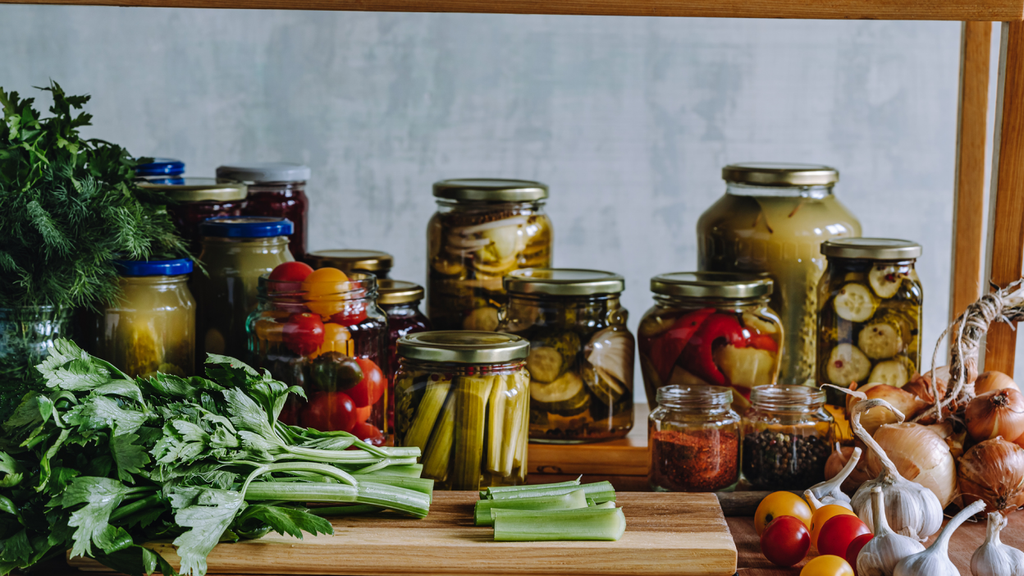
(482, 511)
(597, 491)
(605, 505)
(540, 525)
(471, 395)
(496, 426)
(439, 449)
(492, 490)
(410, 470)
(427, 412)
(421, 485)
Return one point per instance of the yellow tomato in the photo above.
(827, 566)
(781, 504)
(337, 338)
(323, 290)
(822, 515)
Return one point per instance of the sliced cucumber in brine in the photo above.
(885, 280)
(847, 364)
(892, 372)
(879, 340)
(566, 396)
(855, 302)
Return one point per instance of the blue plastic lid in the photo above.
(246, 227)
(154, 267)
(175, 181)
(160, 167)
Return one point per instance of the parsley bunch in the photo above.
(102, 463)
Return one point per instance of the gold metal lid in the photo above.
(398, 292)
(871, 248)
(712, 285)
(463, 346)
(490, 190)
(563, 282)
(780, 174)
(344, 260)
(201, 189)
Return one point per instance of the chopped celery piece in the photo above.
(492, 490)
(471, 396)
(608, 505)
(427, 412)
(482, 512)
(597, 491)
(439, 450)
(496, 427)
(410, 470)
(577, 524)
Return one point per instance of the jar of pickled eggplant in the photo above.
(710, 328)
(787, 438)
(326, 335)
(236, 252)
(275, 189)
(462, 398)
(772, 219)
(372, 261)
(581, 353)
(152, 326)
(869, 320)
(401, 303)
(197, 200)
(483, 229)
(161, 171)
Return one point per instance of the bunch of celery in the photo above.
(562, 511)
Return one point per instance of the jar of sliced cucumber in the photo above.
(869, 316)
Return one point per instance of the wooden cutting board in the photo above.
(669, 534)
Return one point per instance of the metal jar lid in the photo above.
(200, 189)
(563, 282)
(728, 285)
(369, 260)
(871, 248)
(780, 174)
(246, 227)
(463, 346)
(490, 190)
(398, 292)
(265, 172)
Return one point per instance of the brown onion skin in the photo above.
(900, 399)
(838, 459)
(996, 413)
(993, 470)
(993, 380)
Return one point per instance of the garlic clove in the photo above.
(934, 561)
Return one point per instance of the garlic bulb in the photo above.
(881, 554)
(920, 455)
(935, 560)
(830, 491)
(993, 558)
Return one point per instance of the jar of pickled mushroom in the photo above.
(462, 398)
(236, 252)
(152, 326)
(275, 189)
(197, 200)
(326, 335)
(772, 219)
(371, 261)
(401, 303)
(710, 328)
(483, 229)
(869, 319)
(581, 353)
(161, 171)
(787, 438)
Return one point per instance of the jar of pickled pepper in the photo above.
(371, 261)
(787, 438)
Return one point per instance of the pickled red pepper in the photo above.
(694, 460)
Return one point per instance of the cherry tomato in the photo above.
(337, 338)
(827, 566)
(371, 387)
(368, 433)
(291, 272)
(323, 290)
(351, 313)
(781, 504)
(333, 372)
(329, 411)
(824, 514)
(836, 534)
(785, 541)
(303, 333)
(363, 413)
(854, 549)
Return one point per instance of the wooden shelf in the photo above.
(626, 457)
(983, 10)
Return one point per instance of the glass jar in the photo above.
(462, 398)
(401, 303)
(483, 229)
(694, 440)
(787, 437)
(869, 319)
(372, 261)
(275, 189)
(197, 200)
(581, 353)
(773, 219)
(152, 327)
(27, 336)
(329, 338)
(236, 252)
(162, 171)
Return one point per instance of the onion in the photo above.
(955, 440)
(839, 457)
(901, 400)
(996, 413)
(993, 380)
(993, 471)
(920, 455)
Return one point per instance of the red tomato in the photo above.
(351, 314)
(785, 541)
(291, 272)
(368, 433)
(303, 333)
(363, 413)
(854, 550)
(329, 411)
(837, 533)
(371, 387)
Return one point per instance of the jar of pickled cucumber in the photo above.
(787, 438)
(869, 319)
(462, 398)
(710, 328)
(772, 219)
(483, 229)
(197, 200)
(401, 303)
(581, 353)
(152, 326)
(372, 261)
(326, 335)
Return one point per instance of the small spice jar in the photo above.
(869, 316)
(462, 398)
(370, 261)
(710, 328)
(401, 303)
(787, 437)
(162, 171)
(275, 189)
(694, 439)
(196, 200)
(581, 353)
